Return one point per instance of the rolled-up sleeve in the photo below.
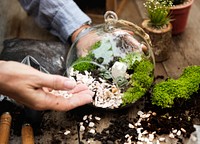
(60, 17)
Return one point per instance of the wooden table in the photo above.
(185, 51)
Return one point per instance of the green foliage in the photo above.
(141, 81)
(131, 59)
(133, 94)
(84, 63)
(164, 93)
(158, 12)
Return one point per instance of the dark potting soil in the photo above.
(182, 116)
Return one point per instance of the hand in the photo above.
(85, 42)
(30, 87)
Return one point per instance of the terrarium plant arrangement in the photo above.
(118, 67)
(158, 26)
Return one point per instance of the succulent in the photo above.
(158, 12)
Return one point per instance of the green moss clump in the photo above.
(164, 93)
(84, 63)
(141, 81)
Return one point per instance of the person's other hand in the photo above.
(29, 86)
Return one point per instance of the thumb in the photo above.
(57, 82)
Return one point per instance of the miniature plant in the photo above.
(166, 92)
(158, 12)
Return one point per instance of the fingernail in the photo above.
(69, 84)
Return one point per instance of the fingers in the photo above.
(78, 88)
(57, 82)
(60, 103)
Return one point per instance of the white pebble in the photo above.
(90, 116)
(92, 131)
(162, 139)
(171, 135)
(67, 132)
(151, 137)
(127, 135)
(97, 118)
(140, 113)
(183, 130)
(178, 133)
(130, 125)
(174, 131)
(91, 124)
(145, 132)
(82, 128)
(85, 117)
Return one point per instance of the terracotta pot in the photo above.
(161, 40)
(179, 14)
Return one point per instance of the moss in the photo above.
(133, 94)
(164, 93)
(84, 63)
(141, 81)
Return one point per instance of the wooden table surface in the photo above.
(14, 23)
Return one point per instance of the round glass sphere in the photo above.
(115, 60)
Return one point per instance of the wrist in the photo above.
(78, 31)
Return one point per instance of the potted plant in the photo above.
(179, 12)
(159, 27)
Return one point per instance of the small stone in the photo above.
(183, 130)
(171, 135)
(92, 131)
(127, 135)
(97, 118)
(85, 117)
(151, 137)
(82, 128)
(154, 113)
(145, 132)
(91, 124)
(90, 116)
(67, 132)
(161, 139)
(140, 113)
(130, 125)
(178, 133)
(174, 131)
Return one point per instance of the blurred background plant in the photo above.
(158, 12)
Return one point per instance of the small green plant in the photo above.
(158, 12)
(164, 93)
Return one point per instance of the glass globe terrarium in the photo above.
(117, 63)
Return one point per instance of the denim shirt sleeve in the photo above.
(60, 17)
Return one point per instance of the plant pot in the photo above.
(161, 40)
(179, 15)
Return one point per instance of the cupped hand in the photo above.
(29, 86)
